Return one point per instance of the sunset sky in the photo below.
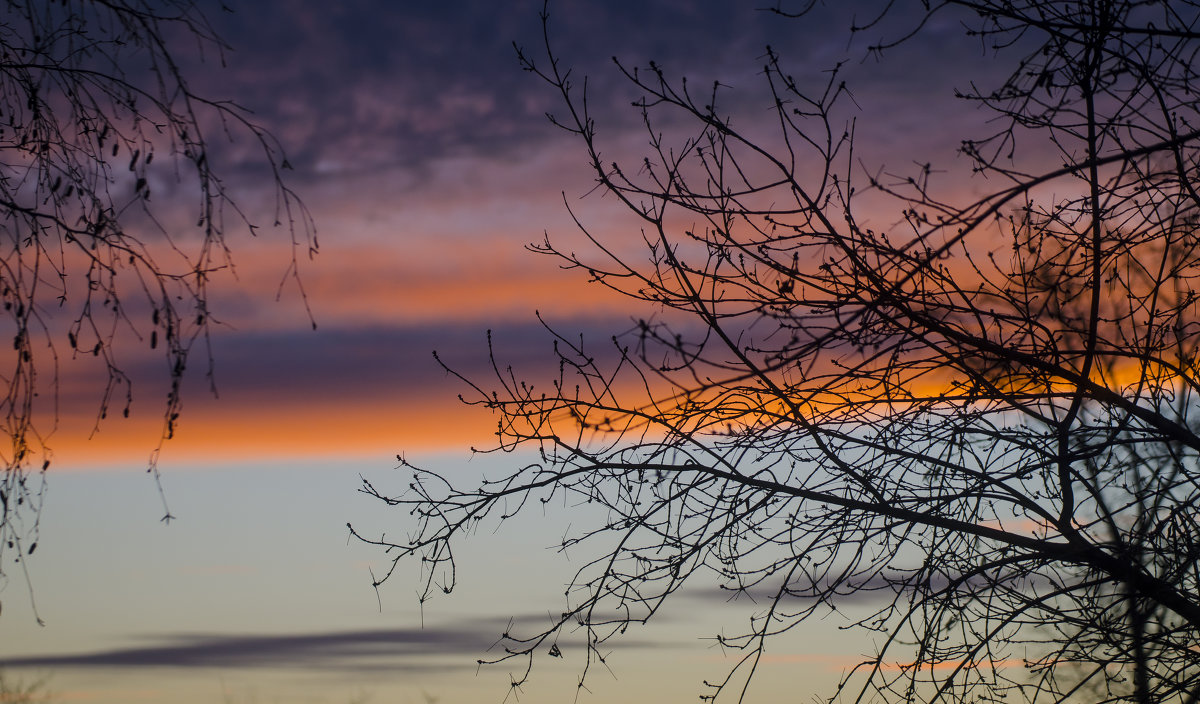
(424, 155)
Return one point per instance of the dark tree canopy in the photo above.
(984, 414)
(96, 107)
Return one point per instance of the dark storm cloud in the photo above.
(362, 87)
(364, 363)
(420, 649)
(359, 85)
(356, 364)
(342, 650)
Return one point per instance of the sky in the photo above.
(423, 152)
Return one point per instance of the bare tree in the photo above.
(23, 692)
(96, 107)
(984, 415)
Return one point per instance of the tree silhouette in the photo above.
(23, 692)
(982, 416)
(96, 108)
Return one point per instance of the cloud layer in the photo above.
(343, 651)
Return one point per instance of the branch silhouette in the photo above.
(981, 416)
(97, 108)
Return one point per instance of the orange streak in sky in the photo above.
(375, 282)
(215, 431)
